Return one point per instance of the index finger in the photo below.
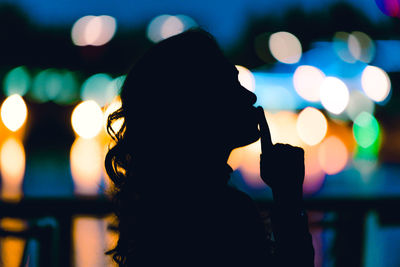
(266, 141)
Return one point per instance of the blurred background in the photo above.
(326, 73)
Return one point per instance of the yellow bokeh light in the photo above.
(333, 155)
(246, 78)
(282, 126)
(87, 119)
(14, 112)
(334, 95)
(285, 47)
(375, 83)
(307, 81)
(311, 126)
(86, 159)
(12, 168)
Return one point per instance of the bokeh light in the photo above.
(311, 126)
(86, 166)
(283, 128)
(87, 119)
(285, 47)
(389, 7)
(14, 112)
(365, 129)
(361, 46)
(332, 155)
(17, 81)
(358, 103)
(275, 98)
(334, 95)
(99, 88)
(314, 175)
(246, 78)
(307, 81)
(165, 26)
(12, 168)
(93, 30)
(375, 83)
(60, 86)
(341, 47)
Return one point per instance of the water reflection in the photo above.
(86, 166)
(12, 168)
(11, 247)
(91, 240)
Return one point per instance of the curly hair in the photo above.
(128, 185)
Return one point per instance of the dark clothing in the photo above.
(220, 228)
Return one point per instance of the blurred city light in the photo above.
(164, 26)
(246, 78)
(86, 161)
(314, 175)
(365, 129)
(93, 30)
(334, 95)
(70, 89)
(311, 126)
(361, 46)
(342, 48)
(12, 168)
(375, 83)
(307, 81)
(389, 7)
(358, 103)
(285, 47)
(87, 119)
(98, 88)
(17, 81)
(14, 112)
(275, 98)
(332, 155)
(283, 128)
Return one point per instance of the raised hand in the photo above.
(281, 165)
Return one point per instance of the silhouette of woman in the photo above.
(183, 112)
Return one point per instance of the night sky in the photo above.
(226, 19)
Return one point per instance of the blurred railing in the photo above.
(51, 221)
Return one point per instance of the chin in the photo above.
(248, 139)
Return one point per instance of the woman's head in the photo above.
(184, 88)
